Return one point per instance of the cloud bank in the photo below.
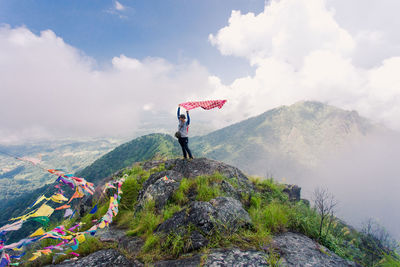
(301, 52)
(49, 88)
(298, 48)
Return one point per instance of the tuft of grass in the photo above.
(145, 221)
(270, 189)
(152, 243)
(124, 218)
(180, 195)
(207, 189)
(174, 243)
(276, 217)
(169, 210)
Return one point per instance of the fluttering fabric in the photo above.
(12, 227)
(68, 212)
(63, 207)
(207, 105)
(44, 211)
(93, 211)
(69, 238)
(38, 232)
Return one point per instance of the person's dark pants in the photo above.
(184, 141)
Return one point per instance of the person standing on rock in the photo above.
(183, 132)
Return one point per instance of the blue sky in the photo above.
(176, 30)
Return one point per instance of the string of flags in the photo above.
(69, 237)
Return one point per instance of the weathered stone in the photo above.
(222, 213)
(132, 245)
(105, 257)
(201, 214)
(110, 234)
(236, 257)
(176, 176)
(174, 223)
(229, 190)
(160, 191)
(230, 213)
(299, 250)
(197, 241)
(293, 192)
(187, 262)
(148, 165)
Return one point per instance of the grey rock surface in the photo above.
(236, 257)
(229, 190)
(293, 192)
(203, 166)
(132, 245)
(299, 250)
(106, 257)
(222, 213)
(230, 213)
(193, 261)
(160, 191)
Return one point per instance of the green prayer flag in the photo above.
(44, 220)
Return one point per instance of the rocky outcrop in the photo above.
(299, 250)
(220, 257)
(293, 192)
(236, 257)
(106, 257)
(193, 261)
(132, 245)
(203, 166)
(220, 214)
(198, 221)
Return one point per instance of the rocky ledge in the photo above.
(222, 214)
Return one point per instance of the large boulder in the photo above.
(105, 257)
(159, 187)
(236, 257)
(194, 261)
(221, 213)
(297, 248)
(130, 244)
(220, 258)
(203, 166)
(293, 192)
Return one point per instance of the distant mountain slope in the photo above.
(139, 149)
(285, 139)
(282, 141)
(18, 178)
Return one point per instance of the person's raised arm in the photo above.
(188, 118)
(179, 112)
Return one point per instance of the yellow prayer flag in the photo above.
(38, 232)
(81, 238)
(40, 199)
(44, 210)
(59, 198)
(35, 255)
(102, 225)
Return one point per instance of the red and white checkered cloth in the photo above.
(210, 104)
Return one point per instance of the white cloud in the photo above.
(49, 88)
(119, 6)
(301, 52)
